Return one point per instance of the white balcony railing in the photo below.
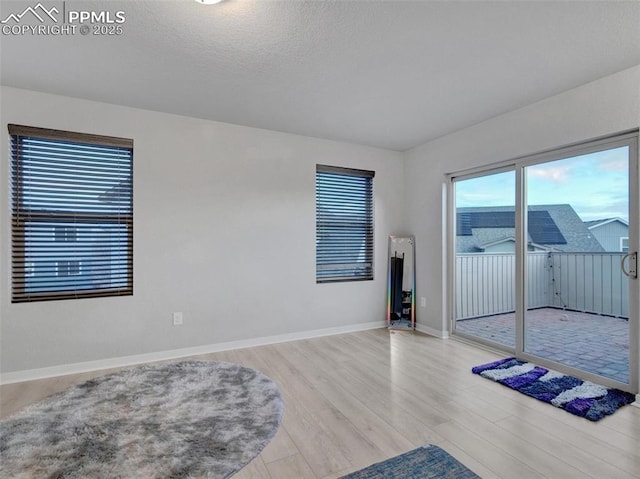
(587, 282)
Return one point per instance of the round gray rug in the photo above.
(195, 419)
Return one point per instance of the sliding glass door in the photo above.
(540, 259)
(485, 260)
(578, 224)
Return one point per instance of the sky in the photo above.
(595, 185)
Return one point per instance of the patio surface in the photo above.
(593, 343)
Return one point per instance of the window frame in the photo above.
(622, 246)
(21, 214)
(351, 272)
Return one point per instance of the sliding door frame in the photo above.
(451, 248)
(519, 166)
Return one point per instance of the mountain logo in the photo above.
(39, 11)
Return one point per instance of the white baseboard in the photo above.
(432, 331)
(637, 401)
(124, 361)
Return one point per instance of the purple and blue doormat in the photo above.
(579, 397)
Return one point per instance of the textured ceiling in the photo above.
(390, 74)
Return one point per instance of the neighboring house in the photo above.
(491, 229)
(611, 233)
(82, 255)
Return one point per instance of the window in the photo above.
(65, 233)
(72, 215)
(624, 244)
(344, 224)
(29, 269)
(68, 268)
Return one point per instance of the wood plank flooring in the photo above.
(359, 398)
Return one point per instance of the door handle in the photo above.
(632, 272)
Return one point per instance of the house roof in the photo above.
(556, 227)
(484, 237)
(509, 239)
(598, 223)
(512, 239)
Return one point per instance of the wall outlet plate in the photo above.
(177, 319)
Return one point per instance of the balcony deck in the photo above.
(591, 342)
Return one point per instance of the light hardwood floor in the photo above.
(359, 398)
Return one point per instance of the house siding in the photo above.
(608, 235)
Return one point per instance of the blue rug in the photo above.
(426, 462)
(582, 398)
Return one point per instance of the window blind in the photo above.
(344, 224)
(72, 215)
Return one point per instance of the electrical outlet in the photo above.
(423, 302)
(177, 319)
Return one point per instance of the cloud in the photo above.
(557, 174)
(616, 159)
(620, 164)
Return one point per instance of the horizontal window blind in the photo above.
(344, 224)
(72, 215)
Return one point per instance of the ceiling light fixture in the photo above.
(208, 2)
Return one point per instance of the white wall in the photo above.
(224, 223)
(600, 108)
(224, 231)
